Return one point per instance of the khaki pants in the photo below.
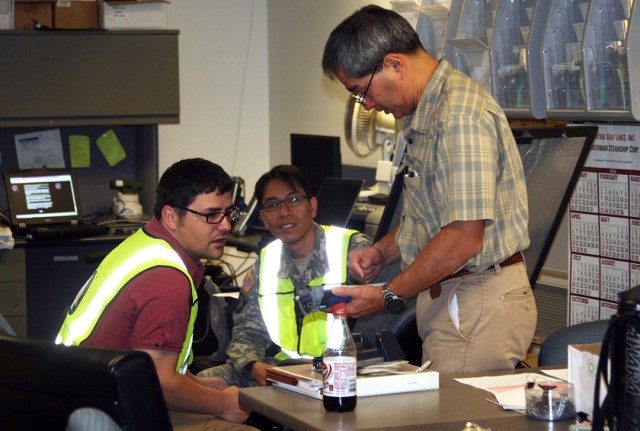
(480, 322)
(194, 422)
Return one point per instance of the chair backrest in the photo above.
(42, 383)
(554, 348)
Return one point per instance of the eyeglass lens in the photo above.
(275, 205)
(231, 214)
(363, 99)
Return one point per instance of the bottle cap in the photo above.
(339, 309)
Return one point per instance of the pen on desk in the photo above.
(423, 367)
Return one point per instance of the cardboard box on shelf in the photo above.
(582, 369)
(141, 14)
(29, 13)
(76, 15)
(6, 14)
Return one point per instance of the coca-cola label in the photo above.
(339, 376)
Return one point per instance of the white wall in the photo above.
(302, 99)
(223, 86)
(250, 75)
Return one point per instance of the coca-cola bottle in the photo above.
(339, 365)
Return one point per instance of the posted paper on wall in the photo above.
(39, 149)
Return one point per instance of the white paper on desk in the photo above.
(39, 149)
(561, 373)
(508, 389)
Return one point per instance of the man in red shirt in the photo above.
(143, 297)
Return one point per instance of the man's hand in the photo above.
(259, 372)
(365, 300)
(365, 264)
(233, 411)
(212, 382)
(192, 394)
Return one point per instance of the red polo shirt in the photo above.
(152, 310)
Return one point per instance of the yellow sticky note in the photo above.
(80, 151)
(111, 148)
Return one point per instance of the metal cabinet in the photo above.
(88, 78)
(55, 275)
(13, 293)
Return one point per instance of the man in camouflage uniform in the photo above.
(301, 253)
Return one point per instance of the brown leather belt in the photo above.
(511, 260)
(436, 289)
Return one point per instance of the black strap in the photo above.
(392, 201)
(605, 412)
(390, 207)
(614, 359)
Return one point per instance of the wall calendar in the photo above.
(604, 252)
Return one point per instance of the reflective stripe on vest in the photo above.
(141, 252)
(276, 297)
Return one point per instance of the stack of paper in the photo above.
(298, 378)
(302, 379)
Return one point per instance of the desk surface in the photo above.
(447, 409)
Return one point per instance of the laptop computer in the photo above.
(44, 203)
(336, 199)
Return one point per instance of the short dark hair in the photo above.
(291, 175)
(183, 181)
(360, 42)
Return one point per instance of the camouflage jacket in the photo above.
(250, 339)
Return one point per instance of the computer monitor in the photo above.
(318, 155)
(336, 199)
(42, 196)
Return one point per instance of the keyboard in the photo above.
(364, 208)
(55, 231)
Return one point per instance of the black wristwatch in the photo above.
(392, 302)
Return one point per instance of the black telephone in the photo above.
(246, 218)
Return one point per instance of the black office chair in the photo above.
(554, 348)
(402, 325)
(42, 384)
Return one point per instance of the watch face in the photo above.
(395, 304)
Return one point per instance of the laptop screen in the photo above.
(42, 196)
(336, 199)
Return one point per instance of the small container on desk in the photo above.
(550, 400)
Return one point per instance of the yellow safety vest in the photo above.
(276, 297)
(137, 253)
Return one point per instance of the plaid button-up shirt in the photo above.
(462, 164)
